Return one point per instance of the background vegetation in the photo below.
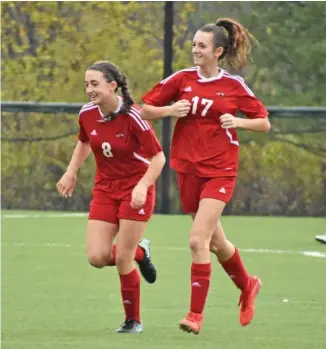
(46, 47)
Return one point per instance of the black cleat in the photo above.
(131, 326)
(146, 267)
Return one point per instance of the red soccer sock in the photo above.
(200, 281)
(236, 270)
(139, 255)
(130, 293)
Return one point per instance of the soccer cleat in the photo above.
(247, 300)
(146, 266)
(191, 323)
(131, 326)
(321, 238)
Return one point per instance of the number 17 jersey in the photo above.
(200, 146)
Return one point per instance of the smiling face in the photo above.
(98, 89)
(203, 49)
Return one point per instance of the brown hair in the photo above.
(234, 38)
(112, 73)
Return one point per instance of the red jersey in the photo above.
(122, 146)
(200, 145)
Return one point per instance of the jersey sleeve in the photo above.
(82, 135)
(164, 92)
(248, 103)
(144, 134)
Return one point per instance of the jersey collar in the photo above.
(116, 111)
(213, 78)
(119, 104)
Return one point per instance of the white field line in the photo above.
(45, 215)
(169, 248)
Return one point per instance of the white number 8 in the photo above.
(107, 149)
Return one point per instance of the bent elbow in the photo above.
(162, 158)
(144, 112)
(267, 126)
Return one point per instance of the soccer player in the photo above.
(204, 153)
(129, 159)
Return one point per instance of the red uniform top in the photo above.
(200, 145)
(122, 147)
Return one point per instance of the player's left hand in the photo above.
(229, 121)
(138, 196)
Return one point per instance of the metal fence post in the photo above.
(166, 124)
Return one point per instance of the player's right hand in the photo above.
(66, 184)
(138, 195)
(181, 108)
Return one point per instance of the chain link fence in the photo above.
(281, 173)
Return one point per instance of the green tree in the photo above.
(46, 47)
(289, 66)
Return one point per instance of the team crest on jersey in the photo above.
(120, 135)
(220, 93)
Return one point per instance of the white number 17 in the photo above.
(206, 102)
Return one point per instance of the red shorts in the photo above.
(114, 204)
(192, 189)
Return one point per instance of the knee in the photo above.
(220, 246)
(213, 247)
(99, 260)
(198, 243)
(123, 259)
(216, 246)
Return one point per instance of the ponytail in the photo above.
(127, 99)
(235, 40)
(237, 51)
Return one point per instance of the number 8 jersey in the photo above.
(122, 147)
(200, 146)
